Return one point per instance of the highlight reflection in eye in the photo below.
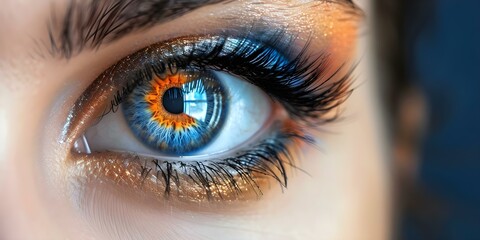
(159, 120)
(213, 117)
(178, 114)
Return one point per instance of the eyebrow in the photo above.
(89, 24)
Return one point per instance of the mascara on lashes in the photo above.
(291, 82)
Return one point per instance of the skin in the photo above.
(345, 194)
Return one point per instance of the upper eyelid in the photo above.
(88, 25)
(117, 78)
(276, 166)
(291, 65)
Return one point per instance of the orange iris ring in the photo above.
(159, 114)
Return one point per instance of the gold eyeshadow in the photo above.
(146, 177)
(181, 179)
(136, 176)
(142, 174)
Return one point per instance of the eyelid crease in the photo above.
(272, 63)
(89, 24)
(308, 100)
(260, 63)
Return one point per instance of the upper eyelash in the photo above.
(292, 82)
(289, 77)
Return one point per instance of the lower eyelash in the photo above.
(268, 158)
(293, 84)
(232, 178)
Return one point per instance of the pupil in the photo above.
(173, 100)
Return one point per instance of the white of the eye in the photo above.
(249, 110)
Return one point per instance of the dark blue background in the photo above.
(445, 63)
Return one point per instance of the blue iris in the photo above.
(179, 114)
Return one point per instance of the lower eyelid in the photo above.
(144, 177)
(177, 182)
(138, 176)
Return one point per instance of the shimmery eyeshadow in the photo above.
(288, 76)
(198, 181)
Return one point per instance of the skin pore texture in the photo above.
(343, 194)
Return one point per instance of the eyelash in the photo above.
(269, 158)
(291, 82)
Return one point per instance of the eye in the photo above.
(204, 118)
(190, 113)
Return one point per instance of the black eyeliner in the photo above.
(288, 77)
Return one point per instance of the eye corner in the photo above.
(254, 167)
